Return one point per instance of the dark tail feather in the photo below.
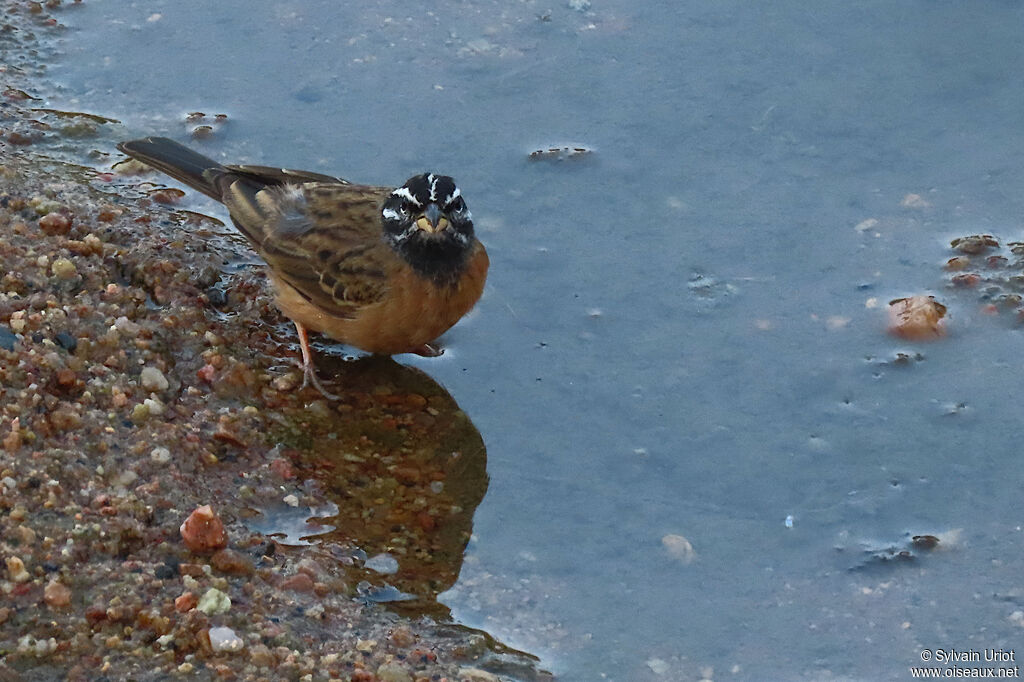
(178, 161)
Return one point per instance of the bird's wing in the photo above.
(281, 176)
(324, 239)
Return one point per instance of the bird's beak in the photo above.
(432, 221)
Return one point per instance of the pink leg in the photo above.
(308, 371)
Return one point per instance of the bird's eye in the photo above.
(457, 206)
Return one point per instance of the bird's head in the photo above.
(427, 221)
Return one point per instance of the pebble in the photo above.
(7, 338)
(203, 531)
(262, 656)
(57, 595)
(679, 548)
(231, 562)
(207, 373)
(917, 318)
(382, 563)
(127, 327)
(300, 582)
(291, 500)
(65, 341)
(225, 639)
(166, 570)
(152, 379)
(63, 268)
(657, 666)
(393, 672)
(16, 570)
(38, 647)
(282, 468)
(186, 602)
(476, 675)
(402, 636)
(140, 413)
(214, 602)
(55, 224)
(160, 455)
(154, 407)
(914, 201)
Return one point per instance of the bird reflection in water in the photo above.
(407, 469)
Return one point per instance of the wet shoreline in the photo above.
(141, 380)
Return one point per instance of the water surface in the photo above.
(684, 330)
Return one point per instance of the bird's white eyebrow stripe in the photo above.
(404, 193)
(391, 214)
(453, 196)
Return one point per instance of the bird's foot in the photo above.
(308, 370)
(309, 378)
(428, 351)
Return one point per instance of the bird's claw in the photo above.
(309, 378)
(428, 351)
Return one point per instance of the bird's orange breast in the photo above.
(414, 311)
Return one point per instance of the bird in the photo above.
(384, 269)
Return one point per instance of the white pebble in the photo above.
(291, 500)
(160, 455)
(657, 666)
(865, 225)
(152, 379)
(155, 407)
(126, 326)
(679, 548)
(225, 639)
(382, 563)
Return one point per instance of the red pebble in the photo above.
(207, 373)
(300, 582)
(203, 531)
(186, 602)
(55, 223)
(95, 614)
(966, 280)
(426, 521)
(282, 468)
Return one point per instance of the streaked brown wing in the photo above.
(280, 176)
(322, 239)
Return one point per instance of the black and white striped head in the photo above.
(426, 220)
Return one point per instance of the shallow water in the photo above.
(684, 330)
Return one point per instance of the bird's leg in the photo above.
(428, 350)
(308, 370)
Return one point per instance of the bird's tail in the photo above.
(178, 161)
